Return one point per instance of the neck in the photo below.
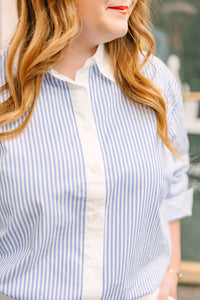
(75, 59)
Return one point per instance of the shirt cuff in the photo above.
(180, 206)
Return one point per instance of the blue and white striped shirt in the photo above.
(88, 190)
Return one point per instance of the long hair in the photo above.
(44, 33)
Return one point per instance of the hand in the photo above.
(168, 286)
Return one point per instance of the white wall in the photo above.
(8, 20)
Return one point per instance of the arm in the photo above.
(169, 283)
(176, 248)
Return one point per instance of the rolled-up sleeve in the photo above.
(179, 198)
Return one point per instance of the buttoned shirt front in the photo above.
(88, 190)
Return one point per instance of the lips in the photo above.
(121, 9)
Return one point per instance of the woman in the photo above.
(94, 156)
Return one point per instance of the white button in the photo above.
(95, 216)
(95, 169)
(92, 264)
(87, 126)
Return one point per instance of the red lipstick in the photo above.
(121, 9)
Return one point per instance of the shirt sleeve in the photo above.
(179, 198)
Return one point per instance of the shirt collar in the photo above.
(103, 62)
(100, 58)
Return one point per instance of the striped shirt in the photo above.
(88, 190)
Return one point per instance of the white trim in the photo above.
(96, 188)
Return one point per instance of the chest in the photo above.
(71, 132)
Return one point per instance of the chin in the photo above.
(121, 34)
(118, 34)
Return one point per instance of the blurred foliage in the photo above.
(178, 21)
(190, 233)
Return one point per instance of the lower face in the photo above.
(104, 20)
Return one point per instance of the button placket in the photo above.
(96, 189)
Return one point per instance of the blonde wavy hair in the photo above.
(45, 31)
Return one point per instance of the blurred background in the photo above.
(177, 33)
